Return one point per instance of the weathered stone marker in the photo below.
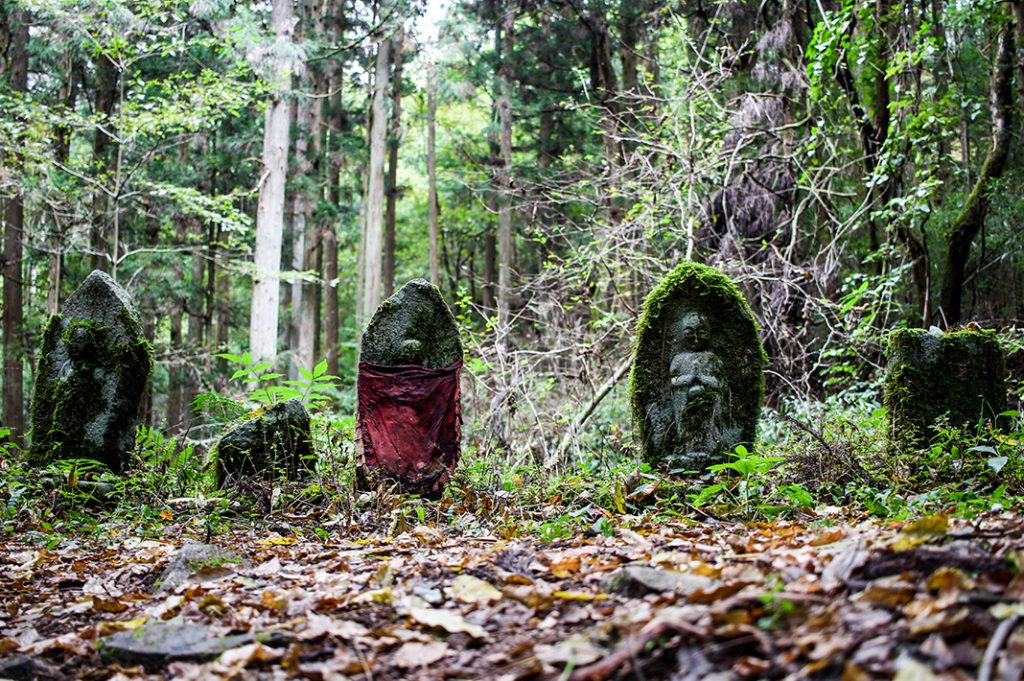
(91, 375)
(409, 418)
(930, 374)
(279, 440)
(697, 382)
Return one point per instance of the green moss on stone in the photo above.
(90, 375)
(413, 327)
(275, 441)
(735, 340)
(959, 375)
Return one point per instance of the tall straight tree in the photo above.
(305, 240)
(435, 237)
(503, 104)
(336, 124)
(391, 186)
(266, 290)
(372, 240)
(13, 69)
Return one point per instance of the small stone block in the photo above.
(959, 375)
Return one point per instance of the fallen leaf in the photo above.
(579, 596)
(412, 655)
(110, 605)
(909, 669)
(576, 650)
(278, 541)
(385, 595)
(921, 531)
(246, 655)
(890, 592)
(167, 515)
(470, 589)
(450, 621)
(829, 536)
(565, 567)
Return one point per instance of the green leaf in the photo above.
(234, 359)
(320, 369)
(707, 493)
(239, 374)
(269, 377)
(306, 374)
(996, 463)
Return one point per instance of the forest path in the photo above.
(833, 597)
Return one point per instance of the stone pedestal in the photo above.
(931, 374)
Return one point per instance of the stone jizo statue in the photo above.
(697, 382)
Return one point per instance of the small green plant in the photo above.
(308, 389)
(753, 487)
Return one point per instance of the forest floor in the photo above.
(820, 596)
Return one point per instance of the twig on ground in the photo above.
(1003, 631)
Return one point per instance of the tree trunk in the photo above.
(15, 67)
(394, 139)
(972, 216)
(336, 125)
(435, 234)
(62, 150)
(300, 238)
(504, 109)
(102, 149)
(305, 240)
(373, 226)
(270, 210)
(176, 379)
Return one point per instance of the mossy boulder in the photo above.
(91, 376)
(697, 383)
(958, 375)
(277, 441)
(412, 327)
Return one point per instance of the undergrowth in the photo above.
(809, 457)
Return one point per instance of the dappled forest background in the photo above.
(260, 175)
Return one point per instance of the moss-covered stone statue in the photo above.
(90, 378)
(278, 441)
(960, 375)
(409, 418)
(697, 382)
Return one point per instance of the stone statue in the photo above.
(697, 382)
(409, 418)
(92, 372)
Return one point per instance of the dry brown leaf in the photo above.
(566, 567)
(450, 621)
(412, 655)
(109, 605)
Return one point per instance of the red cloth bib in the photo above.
(409, 421)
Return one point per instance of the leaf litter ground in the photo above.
(688, 599)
